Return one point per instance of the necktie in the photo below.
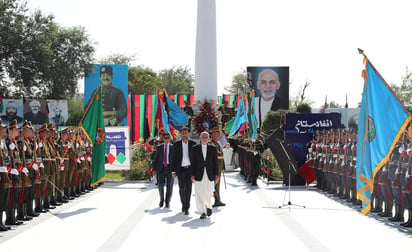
(165, 156)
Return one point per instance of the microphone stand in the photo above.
(290, 169)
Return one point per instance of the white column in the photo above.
(206, 59)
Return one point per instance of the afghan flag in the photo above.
(382, 120)
(240, 119)
(92, 125)
(252, 116)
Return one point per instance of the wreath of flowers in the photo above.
(207, 116)
(99, 136)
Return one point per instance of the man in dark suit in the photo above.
(162, 169)
(181, 165)
(204, 170)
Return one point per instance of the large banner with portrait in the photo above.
(12, 110)
(117, 148)
(113, 79)
(35, 111)
(299, 129)
(271, 86)
(58, 112)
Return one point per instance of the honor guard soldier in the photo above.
(5, 183)
(15, 164)
(406, 193)
(352, 160)
(399, 155)
(62, 166)
(54, 160)
(46, 188)
(215, 132)
(38, 141)
(73, 164)
(26, 175)
(385, 184)
(317, 153)
(30, 161)
(258, 148)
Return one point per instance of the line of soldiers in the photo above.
(249, 157)
(334, 156)
(42, 166)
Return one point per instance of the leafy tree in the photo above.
(177, 80)
(143, 80)
(38, 57)
(118, 58)
(404, 91)
(76, 110)
(304, 108)
(239, 84)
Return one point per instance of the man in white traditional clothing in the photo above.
(204, 171)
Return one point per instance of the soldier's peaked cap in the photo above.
(215, 129)
(106, 69)
(13, 124)
(42, 128)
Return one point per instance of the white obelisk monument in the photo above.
(205, 58)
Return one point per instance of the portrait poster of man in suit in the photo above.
(35, 111)
(113, 79)
(271, 86)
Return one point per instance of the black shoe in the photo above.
(167, 205)
(161, 204)
(209, 211)
(203, 216)
(12, 221)
(186, 212)
(219, 204)
(33, 214)
(40, 210)
(23, 218)
(4, 228)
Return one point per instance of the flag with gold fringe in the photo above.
(92, 124)
(382, 120)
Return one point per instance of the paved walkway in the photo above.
(125, 217)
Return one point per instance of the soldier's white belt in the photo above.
(14, 172)
(3, 169)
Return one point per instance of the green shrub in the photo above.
(140, 164)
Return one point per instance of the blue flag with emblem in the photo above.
(382, 120)
(240, 118)
(177, 117)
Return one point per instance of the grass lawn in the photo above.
(114, 175)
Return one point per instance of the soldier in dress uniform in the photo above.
(188, 110)
(55, 160)
(62, 165)
(46, 186)
(5, 183)
(70, 189)
(38, 144)
(15, 164)
(317, 155)
(258, 148)
(407, 192)
(352, 163)
(30, 161)
(215, 132)
(26, 175)
(399, 155)
(385, 184)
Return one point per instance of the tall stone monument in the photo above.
(205, 58)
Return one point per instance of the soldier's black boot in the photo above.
(408, 223)
(398, 214)
(53, 201)
(11, 217)
(21, 213)
(29, 209)
(2, 226)
(388, 210)
(67, 192)
(378, 206)
(46, 203)
(38, 206)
